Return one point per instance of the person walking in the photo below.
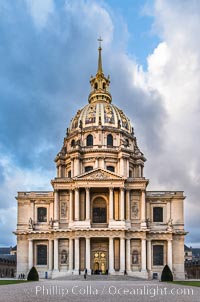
(85, 274)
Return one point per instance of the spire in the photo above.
(100, 69)
(99, 83)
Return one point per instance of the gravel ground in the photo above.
(109, 290)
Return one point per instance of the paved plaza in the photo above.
(98, 290)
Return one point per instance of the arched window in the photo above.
(69, 174)
(104, 85)
(89, 140)
(110, 168)
(127, 142)
(64, 257)
(157, 214)
(42, 214)
(95, 86)
(88, 168)
(73, 143)
(109, 140)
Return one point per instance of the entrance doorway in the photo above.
(100, 262)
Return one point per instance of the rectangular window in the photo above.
(158, 254)
(42, 214)
(157, 214)
(99, 215)
(42, 254)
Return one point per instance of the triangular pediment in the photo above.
(99, 174)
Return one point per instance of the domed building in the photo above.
(99, 215)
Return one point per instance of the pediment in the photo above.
(99, 174)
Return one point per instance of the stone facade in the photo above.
(99, 215)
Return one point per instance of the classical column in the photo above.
(122, 204)
(111, 255)
(143, 210)
(169, 254)
(70, 254)
(149, 255)
(144, 261)
(59, 171)
(128, 259)
(168, 210)
(76, 166)
(76, 254)
(72, 167)
(56, 254)
(122, 255)
(76, 204)
(87, 203)
(87, 247)
(96, 165)
(30, 253)
(33, 210)
(128, 205)
(127, 167)
(50, 264)
(111, 203)
(56, 206)
(139, 171)
(121, 163)
(70, 205)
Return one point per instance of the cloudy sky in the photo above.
(48, 51)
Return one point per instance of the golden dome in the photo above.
(100, 111)
(100, 114)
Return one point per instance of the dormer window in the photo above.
(73, 143)
(109, 140)
(89, 140)
(110, 168)
(88, 168)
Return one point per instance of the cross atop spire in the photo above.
(100, 40)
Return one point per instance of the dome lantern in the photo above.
(99, 83)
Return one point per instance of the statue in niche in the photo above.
(63, 209)
(64, 257)
(51, 222)
(148, 222)
(134, 210)
(170, 224)
(135, 257)
(30, 226)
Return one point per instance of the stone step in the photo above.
(100, 278)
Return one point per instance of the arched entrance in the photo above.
(99, 211)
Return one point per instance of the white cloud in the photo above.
(40, 11)
(16, 179)
(174, 71)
